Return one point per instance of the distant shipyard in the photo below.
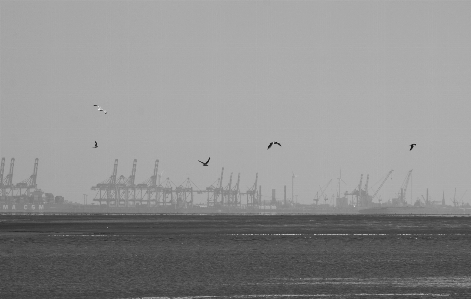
(122, 195)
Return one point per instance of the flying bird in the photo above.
(205, 164)
(96, 144)
(100, 109)
(271, 143)
(412, 146)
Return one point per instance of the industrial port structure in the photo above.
(25, 191)
(123, 192)
(155, 194)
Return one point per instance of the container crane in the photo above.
(235, 193)
(216, 191)
(184, 194)
(253, 198)
(126, 186)
(8, 181)
(109, 187)
(226, 194)
(2, 168)
(2, 188)
(29, 184)
(149, 189)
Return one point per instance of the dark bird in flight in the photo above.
(271, 143)
(96, 145)
(412, 146)
(100, 109)
(205, 164)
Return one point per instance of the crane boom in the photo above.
(35, 173)
(325, 188)
(406, 181)
(115, 171)
(387, 176)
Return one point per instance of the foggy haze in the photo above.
(340, 84)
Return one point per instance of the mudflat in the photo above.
(234, 256)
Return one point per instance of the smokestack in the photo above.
(426, 203)
(443, 199)
(273, 197)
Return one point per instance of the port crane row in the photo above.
(123, 192)
(22, 190)
(361, 198)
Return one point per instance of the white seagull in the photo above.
(100, 109)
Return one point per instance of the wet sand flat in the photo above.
(234, 256)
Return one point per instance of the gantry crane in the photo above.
(130, 186)
(125, 187)
(29, 184)
(235, 193)
(2, 187)
(148, 191)
(215, 192)
(108, 187)
(253, 197)
(184, 194)
(226, 192)
(8, 181)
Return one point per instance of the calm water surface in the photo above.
(217, 256)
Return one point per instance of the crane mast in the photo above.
(2, 168)
(256, 198)
(238, 181)
(115, 172)
(9, 178)
(154, 177)
(359, 188)
(35, 173)
(220, 181)
(228, 191)
(133, 173)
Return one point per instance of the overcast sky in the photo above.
(340, 84)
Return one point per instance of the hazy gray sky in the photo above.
(340, 84)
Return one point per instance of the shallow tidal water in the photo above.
(234, 256)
